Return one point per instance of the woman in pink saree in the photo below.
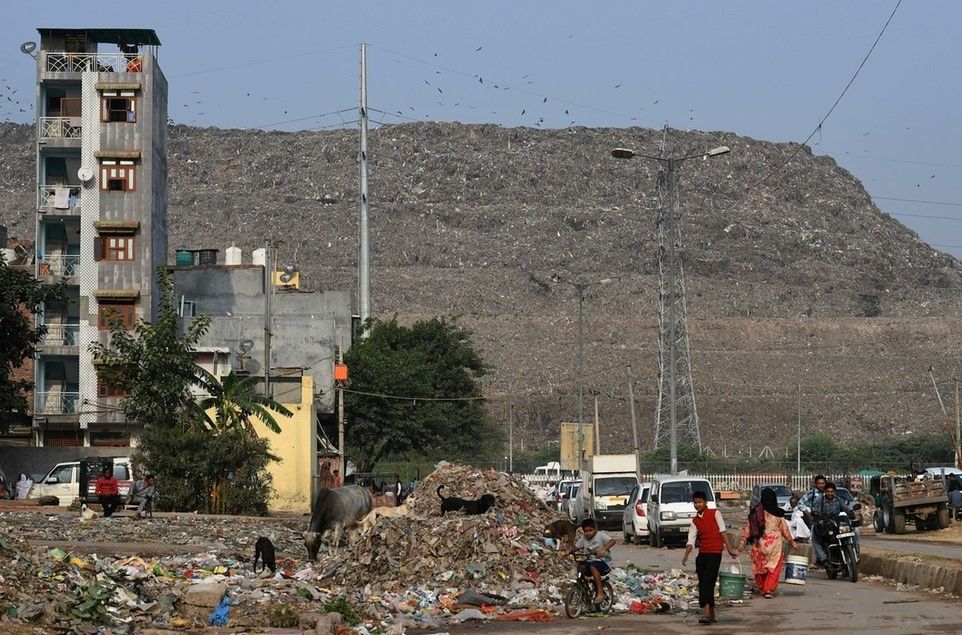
(767, 531)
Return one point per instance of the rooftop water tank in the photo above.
(207, 256)
(184, 258)
(260, 256)
(232, 256)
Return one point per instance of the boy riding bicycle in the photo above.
(598, 545)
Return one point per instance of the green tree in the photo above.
(20, 296)
(432, 361)
(234, 400)
(154, 363)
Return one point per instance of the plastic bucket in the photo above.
(796, 569)
(731, 585)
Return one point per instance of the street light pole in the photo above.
(581, 377)
(674, 268)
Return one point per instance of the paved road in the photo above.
(820, 606)
(901, 545)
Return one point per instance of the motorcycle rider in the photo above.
(829, 506)
(809, 500)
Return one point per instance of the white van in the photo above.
(63, 481)
(670, 509)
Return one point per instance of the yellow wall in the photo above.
(294, 447)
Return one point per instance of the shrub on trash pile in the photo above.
(345, 608)
(499, 548)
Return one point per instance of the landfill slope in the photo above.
(800, 279)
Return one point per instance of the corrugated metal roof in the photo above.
(110, 36)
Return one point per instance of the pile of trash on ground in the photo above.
(414, 569)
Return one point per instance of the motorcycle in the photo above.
(838, 536)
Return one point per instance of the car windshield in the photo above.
(615, 486)
(681, 491)
(844, 494)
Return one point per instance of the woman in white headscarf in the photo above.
(23, 486)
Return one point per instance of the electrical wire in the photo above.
(915, 200)
(264, 61)
(321, 116)
(818, 128)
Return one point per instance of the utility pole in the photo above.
(958, 429)
(340, 416)
(581, 380)
(510, 437)
(798, 434)
(268, 292)
(634, 424)
(596, 446)
(363, 259)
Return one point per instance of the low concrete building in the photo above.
(259, 323)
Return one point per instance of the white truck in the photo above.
(610, 479)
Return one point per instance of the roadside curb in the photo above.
(908, 570)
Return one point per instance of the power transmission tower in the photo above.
(676, 417)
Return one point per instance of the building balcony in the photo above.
(61, 62)
(62, 266)
(55, 402)
(61, 335)
(62, 200)
(59, 128)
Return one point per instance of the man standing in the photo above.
(142, 493)
(810, 501)
(107, 491)
(708, 528)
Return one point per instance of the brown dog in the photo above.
(564, 531)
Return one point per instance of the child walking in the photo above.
(708, 528)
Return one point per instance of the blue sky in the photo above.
(768, 70)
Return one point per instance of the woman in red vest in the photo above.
(708, 527)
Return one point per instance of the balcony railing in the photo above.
(65, 266)
(59, 127)
(58, 196)
(55, 402)
(57, 62)
(62, 334)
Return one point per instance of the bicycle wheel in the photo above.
(609, 598)
(576, 600)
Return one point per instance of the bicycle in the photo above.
(580, 595)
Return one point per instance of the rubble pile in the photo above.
(60, 572)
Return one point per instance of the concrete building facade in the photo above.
(101, 216)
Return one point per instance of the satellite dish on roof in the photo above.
(245, 346)
(85, 174)
(28, 48)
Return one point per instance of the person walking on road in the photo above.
(767, 531)
(708, 528)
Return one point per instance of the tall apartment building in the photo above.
(101, 215)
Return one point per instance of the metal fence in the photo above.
(63, 265)
(58, 403)
(61, 334)
(59, 128)
(731, 482)
(62, 62)
(47, 196)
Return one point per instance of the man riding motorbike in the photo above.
(829, 506)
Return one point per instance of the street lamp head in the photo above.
(714, 152)
(622, 153)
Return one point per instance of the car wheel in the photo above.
(627, 538)
(639, 540)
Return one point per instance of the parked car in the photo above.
(568, 505)
(938, 471)
(635, 517)
(563, 493)
(670, 508)
(63, 481)
(782, 493)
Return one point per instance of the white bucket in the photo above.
(796, 569)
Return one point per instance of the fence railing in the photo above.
(59, 128)
(61, 334)
(65, 266)
(731, 482)
(59, 403)
(58, 62)
(58, 196)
